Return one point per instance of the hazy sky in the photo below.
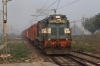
(20, 11)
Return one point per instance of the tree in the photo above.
(97, 21)
(89, 25)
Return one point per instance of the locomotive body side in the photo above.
(35, 31)
(32, 32)
(26, 33)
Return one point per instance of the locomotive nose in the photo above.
(48, 45)
(58, 45)
(68, 45)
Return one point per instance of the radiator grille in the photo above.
(54, 31)
(61, 31)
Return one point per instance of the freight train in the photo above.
(52, 34)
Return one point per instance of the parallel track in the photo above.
(86, 58)
(62, 61)
(88, 54)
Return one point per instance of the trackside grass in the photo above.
(1, 42)
(17, 51)
(90, 43)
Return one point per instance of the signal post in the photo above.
(5, 27)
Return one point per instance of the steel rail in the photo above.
(87, 54)
(93, 62)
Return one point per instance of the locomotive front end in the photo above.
(58, 39)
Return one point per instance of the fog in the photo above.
(20, 11)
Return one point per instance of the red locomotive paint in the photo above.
(53, 42)
(34, 31)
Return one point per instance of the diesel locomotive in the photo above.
(52, 34)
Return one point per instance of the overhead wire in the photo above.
(58, 4)
(45, 3)
(41, 9)
(52, 4)
(48, 7)
(68, 4)
(56, 7)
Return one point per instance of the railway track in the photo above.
(73, 59)
(43, 55)
(59, 60)
(88, 54)
(62, 61)
(87, 59)
(39, 54)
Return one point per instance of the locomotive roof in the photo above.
(56, 14)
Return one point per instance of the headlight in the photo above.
(49, 39)
(67, 30)
(48, 30)
(66, 39)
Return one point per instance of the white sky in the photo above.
(20, 11)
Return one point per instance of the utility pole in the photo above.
(12, 30)
(54, 11)
(74, 27)
(83, 25)
(5, 27)
(74, 30)
(0, 16)
(1, 13)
